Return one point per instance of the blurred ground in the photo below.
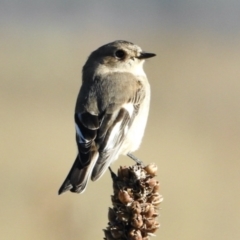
(193, 132)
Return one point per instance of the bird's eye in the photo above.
(120, 54)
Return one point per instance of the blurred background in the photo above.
(193, 132)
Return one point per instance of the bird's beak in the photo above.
(144, 55)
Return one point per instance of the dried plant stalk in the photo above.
(135, 201)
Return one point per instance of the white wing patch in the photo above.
(113, 138)
(81, 137)
(113, 135)
(129, 108)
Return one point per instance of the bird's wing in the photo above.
(112, 133)
(87, 126)
(102, 121)
(116, 123)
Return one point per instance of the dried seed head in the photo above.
(108, 235)
(123, 173)
(135, 235)
(115, 200)
(149, 222)
(151, 169)
(155, 199)
(136, 207)
(137, 172)
(123, 216)
(137, 221)
(116, 232)
(151, 182)
(111, 215)
(124, 197)
(135, 204)
(149, 210)
(156, 188)
(154, 228)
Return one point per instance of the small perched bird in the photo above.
(111, 111)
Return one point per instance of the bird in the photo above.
(111, 111)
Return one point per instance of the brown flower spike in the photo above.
(135, 202)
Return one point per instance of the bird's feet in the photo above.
(137, 160)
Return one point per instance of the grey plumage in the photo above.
(114, 95)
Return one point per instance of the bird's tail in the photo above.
(77, 178)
